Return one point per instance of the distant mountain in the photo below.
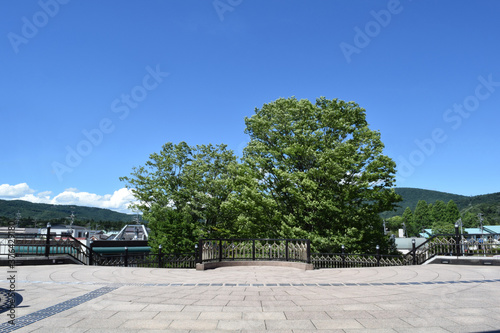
(411, 196)
(46, 212)
(488, 204)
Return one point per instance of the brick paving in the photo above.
(430, 298)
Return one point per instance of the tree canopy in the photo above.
(310, 170)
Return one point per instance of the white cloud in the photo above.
(118, 201)
(14, 191)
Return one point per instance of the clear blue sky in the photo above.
(134, 75)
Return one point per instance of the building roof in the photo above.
(492, 229)
(477, 231)
(487, 229)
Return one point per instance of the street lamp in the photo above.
(47, 241)
(414, 251)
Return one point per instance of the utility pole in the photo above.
(460, 224)
(18, 219)
(480, 216)
(72, 220)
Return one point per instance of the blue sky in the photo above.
(91, 88)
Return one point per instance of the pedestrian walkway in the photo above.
(432, 298)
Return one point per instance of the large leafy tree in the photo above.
(180, 191)
(322, 170)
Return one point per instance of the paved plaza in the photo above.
(429, 298)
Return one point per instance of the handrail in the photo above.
(453, 244)
(46, 245)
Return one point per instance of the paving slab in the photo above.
(431, 298)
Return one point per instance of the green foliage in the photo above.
(441, 217)
(488, 204)
(37, 215)
(172, 229)
(311, 171)
(408, 216)
(411, 196)
(321, 170)
(421, 218)
(438, 212)
(452, 212)
(181, 191)
(395, 223)
(47, 212)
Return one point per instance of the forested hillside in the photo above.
(411, 196)
(421, 209)
(41, 213)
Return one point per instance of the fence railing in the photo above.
(49, 245)
(150, 260)
(254, 249)
(347, 260)
(209, 250)
(455, 245)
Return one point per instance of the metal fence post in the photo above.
(286, 250)
(200, 251)
(220, 249)
(343, 256)
(91, 254)
(253, 249)
(47, 241)
(414, 251)
(126, 257)
(378, 255)
(457, 241)
(159, 256)
(308, 253)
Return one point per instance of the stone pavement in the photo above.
(431, 298)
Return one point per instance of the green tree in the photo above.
(322, 170)
(438, 212)
(408, 221)
(394, 223)
(181, 191)
(421, 218)
(172, 229)
(452, 212)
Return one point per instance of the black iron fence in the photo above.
(29, 245)
(209, 250)
(150, 260)
(254, 249)
(348, 260)
(455, 245)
